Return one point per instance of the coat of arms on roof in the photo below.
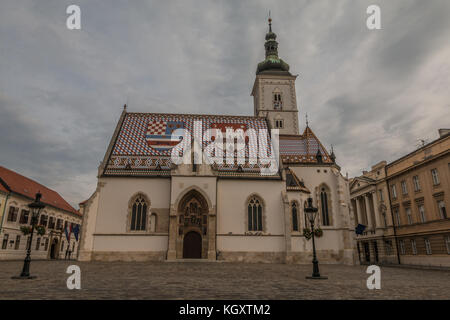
(159, 134)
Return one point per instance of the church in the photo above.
(147, 207)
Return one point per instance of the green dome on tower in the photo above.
(272, 64)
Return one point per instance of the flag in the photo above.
(159, 134)
(76, 230)
(68, 231)
(360, 228)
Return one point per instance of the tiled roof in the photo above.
(293, 183)
(28, 188)
(2, 188)
(132, 137)
(136, 151)
(302, 148)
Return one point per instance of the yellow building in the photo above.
(403, 208)
(419, 185)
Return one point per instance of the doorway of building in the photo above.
(192, 245)
(367, 251)
(53, 249)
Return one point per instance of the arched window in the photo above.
(294, 211)
(139, 214)
(277, 101)
(255, 216)
(153, 222)
(324, 206)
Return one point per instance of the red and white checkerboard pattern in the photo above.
(157, 127)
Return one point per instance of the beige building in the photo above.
(147, 207)
(16, 192)
(419, 185)
(370, 203)
(403, 206)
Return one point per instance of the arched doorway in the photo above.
(192, 245)
(192, 238)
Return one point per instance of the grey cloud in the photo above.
(62, 91)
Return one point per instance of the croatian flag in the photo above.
(68, 231)
(159, 134)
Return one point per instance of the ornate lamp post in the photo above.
(36, 207)
(311, 213)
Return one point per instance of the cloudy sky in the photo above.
(372, 94)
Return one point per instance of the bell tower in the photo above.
(274, 90)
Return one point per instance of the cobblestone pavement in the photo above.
(194, 280)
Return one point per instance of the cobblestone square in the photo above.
(207, 280)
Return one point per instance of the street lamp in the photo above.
(311, 213)
(36, 207)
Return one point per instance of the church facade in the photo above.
(147, 207)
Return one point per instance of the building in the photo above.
(419, 185)
(16, 192)
(407, 200)
(147, 207)
(371, 208)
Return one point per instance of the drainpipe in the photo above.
(392, 215)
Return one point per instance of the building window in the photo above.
(402, 247)
(324, 207)
(397, 216)
(413, 246)
(5, 241)
(404, 188)
(428, 246)
(46, 244)
(44, 219)
(381, 195)
(447, 244)
(12, 214)
(24, 217)
(278, 124)
(38, 243)
(51, 223)
(254, 211)
(59, 224)
(394, 192)
(139, 215)
(422, 213)
(435, 176)
(17, 244)
(409, 215)
(277, 102)
(294, 216)
(416, 183)
(442, 211)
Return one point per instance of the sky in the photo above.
(370, 93)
